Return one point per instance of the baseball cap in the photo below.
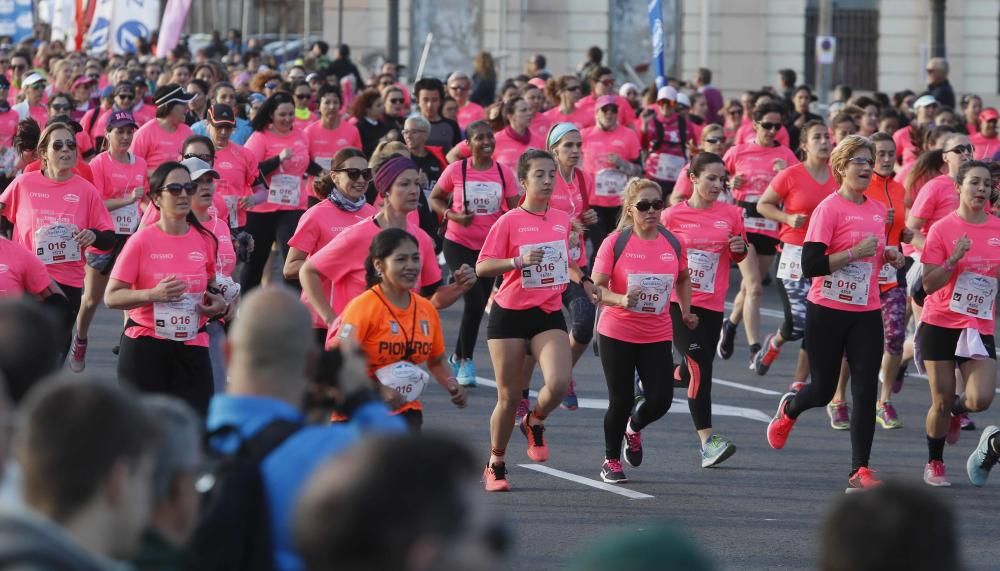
(606, 100)
(666, 92)
(32, 79)
(199, 168)
(924, 101)
(68, 121)
(989, 114)
(121, 119)
(683, 100)
(171, 93)
(82, 81)
(221, 114)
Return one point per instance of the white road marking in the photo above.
(679, 405)
(614, 489)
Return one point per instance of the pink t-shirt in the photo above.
(800, 193)
(508, 150)
(468, 113)
(570, 196)
(756, 164)
(598, 146)
(303, 124)
(705, 235)
(540, 125)
(226, 255)
(237, 168)
(904, 146)
(281, 191)
(522, 228)
(578, 117)
(320, 224)
(656, 260)
(342, 261)
(156, 146)
(35, 203)
(683, 187)
(324, 143)
(485, 194)
(151, 255)
(982, 260)
(985, 147)
(20, 271)
(937, 199)
(746, 134)
(8, 126)
(626, 116)
(841, 224)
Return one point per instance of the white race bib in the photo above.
(668, 167)
(177, 320)
(284, 190)
(760, 224)
(324, 162)
(54, 243)
(654, 291)
(575, 246)
(227, 287)
(887, 274)
(790, 264)
(702, 267)
(849, 284)
(232, 206)
(553, 270)
(974, 295)
(609, 182)
(483, 198)
(405, 378)
(126, 218)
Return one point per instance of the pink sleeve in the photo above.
(212, 248)
(145, 179)
(634, 148)
(126, 268)
(604, 261)
(139, 144)
(682, 259)
(306, 235)
(355, 138)
(821, 225)
(935, 251)
(683, 186)
(253, 167)
(449, 176)
(97, 168)
(738, 226)
(9, 199)
(510, 178)
(330, 259)
(922, 207)
(36, 277)
(782, 137)
(463, 149)
(782, 183)
(495, 247)
(431, 271)
(150, 216)
(256, 146)
(729, 159)
(790, 157)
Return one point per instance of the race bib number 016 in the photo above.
(790, 264)
(284, 190)
(702, 267)
(483, 198)
(974, 295)
(54, 244)
(654, 291)
(177, 320)
(849, 284)
(553, 270)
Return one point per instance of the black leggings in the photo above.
(266, 229)
(475, 299)
(621, 360)
(832, 334)
(607, 220)
(68, 319)
(168, 367)
(697, 349)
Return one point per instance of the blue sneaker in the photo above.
(467, 373)
(570, 402)
(454, 363)
(983, 458)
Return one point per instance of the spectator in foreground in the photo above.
(659, 546)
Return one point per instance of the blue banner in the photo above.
(17, 18)
(655, 11)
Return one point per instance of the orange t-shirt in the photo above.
(383, 332)
(892, 194)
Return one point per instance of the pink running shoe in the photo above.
(781, 425)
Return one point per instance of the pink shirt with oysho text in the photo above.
(156, 146)
(484, 191)
(522, 228)
(237, 168)
(266, 144)
(324, 143)
(982, 258)
(842, 224)
(936, 199)
(320, 224)
(756, 164)
(469, 113)
(20, 271)
(640, 256)
(705, 233)
(598, 146)
(33, 201)
(151, 255)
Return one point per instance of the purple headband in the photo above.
(390, 171)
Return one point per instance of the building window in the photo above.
(855, 25)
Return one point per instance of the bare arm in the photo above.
(293, 263)
(312, 284)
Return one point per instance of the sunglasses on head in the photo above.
(861, 161)
(768, 126)
(961, 150)
(206, 157)
(176, 188)
(644, 205)
(353, 174)
(67, 144)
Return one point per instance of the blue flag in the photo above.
(655, 10)
(16, 19)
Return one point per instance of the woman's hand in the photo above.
(459, 397)
(631, 298)
(589, 217)
(690, 320)
(465, 277)
(85, 237)
(213, 305)
(865, 248)
(593, 292)
(796, 220)
(137, 194)
(533, 257)
(895, 258)
(285, 154)
(737, 245)
(169, 289)
(738, 180)
(906, 236)
(463, 218)
(961, 247)
(778, 165)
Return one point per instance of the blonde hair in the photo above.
(709, 130)
(845, 150)
(630, 196)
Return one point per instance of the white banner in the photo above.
(63, 21)
(98, 37)
(131, 20)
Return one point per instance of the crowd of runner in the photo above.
(567, 211)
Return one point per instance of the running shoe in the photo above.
(954, 429)
(116, 349)
(840, 415)
(612, 472)
(570, 402)
(781, 425)
(456, 365)
(495, 478)
(78, 355)
(761, 361)
(466, 373)
(897, 385)
(632, 447)
(862, 479)
(797, 386)
(716, 450)
(727, 340)
(885, 415)
(538, 450)
(522, 410)
(983, 458)
(934, 474)
(967, 423)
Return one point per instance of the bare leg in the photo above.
(508, 358)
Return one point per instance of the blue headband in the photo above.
(558, 131)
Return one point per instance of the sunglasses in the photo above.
(60, 145)
(353, 174)
(39, 85)
(458, 87)
(94, 76)
(302, 96)
(770, 126)
(127, 96)
(207, 158)
(271, 85)
(609, 109)
(19, 66)
(861, 161)
(961, 150)
(644, 205)
(714, 140)
(176, 188)
(396, 101)
(572, 88)
(735, 111)
(607, 82)
(62, 107)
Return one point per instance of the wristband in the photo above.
(850, 254)
(518, 262)
(949, 266)
(586, 279)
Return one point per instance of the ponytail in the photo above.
(928, 166)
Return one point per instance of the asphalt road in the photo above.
(761, 509)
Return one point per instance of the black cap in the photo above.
(171, 93)
(221, 114)
(66, 119)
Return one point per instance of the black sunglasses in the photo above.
(961, 150)
(770, 126)
(396, 101)
(353, 174)
(207, 158)
(60, 145)
(303, 95)
(125, 96)
(714, 140)
(177, 188)
(644, 205)
(62, 107)
(18, 66)
(572, 88)
(609, 109)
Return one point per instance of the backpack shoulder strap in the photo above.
(620, 242)
(674, 243)
(503, 179)
(465, 171)
(581, 182)
(682, 132)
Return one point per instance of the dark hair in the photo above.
(963, 170)
(705, 75)
(804, 132)
(539, 60)
(301, 83)
(843, 117)
(73, 434)
(265, 115)
(46, 136)
(944, 109)
(61, 95)
(202, 84)
(248, 55)
(506, 110)
(881, 137)
(200, 139)
(595, 74)
(429, 84)
(362, 102)
(702, 160)
(863, 101)
(524, 163)
(888, 113)
(27, 135)
(323, 47)
(770, 107)
(843, 91)
(327, 89)
(156, 182)
(163, 111)
(788, 76)
(475, 126)
(383, 245)
(899, 96)
(27, 353)
(323, 185)
(219, 86)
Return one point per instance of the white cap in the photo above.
(683, 100)
(32, 79)
(626, 87)
(924, 101)
(666, 92)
